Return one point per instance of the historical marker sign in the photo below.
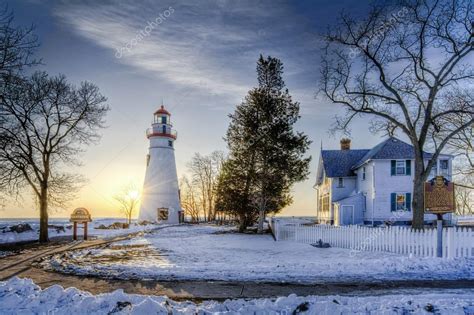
(439, 196)
(80, 215)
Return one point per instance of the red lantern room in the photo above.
(162, 116)
(161, 125)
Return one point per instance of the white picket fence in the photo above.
(457, 242)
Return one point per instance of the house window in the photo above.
(340, 182)
(443, 167)
(363, 173)
(400, 201)
(324, 203)
(443, 164)
(401, 167)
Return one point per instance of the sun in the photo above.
(133, 194)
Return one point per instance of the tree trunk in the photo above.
(261, 219)
(418, 196)
(43, 201)
(242, 223)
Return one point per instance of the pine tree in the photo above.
(266, 155)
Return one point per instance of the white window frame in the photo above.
(397, 167)
(404, 195)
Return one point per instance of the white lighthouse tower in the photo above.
(160, 197)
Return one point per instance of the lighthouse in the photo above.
(160, 196)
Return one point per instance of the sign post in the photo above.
(439, 199)
(439, 234)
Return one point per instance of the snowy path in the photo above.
(16, 264)
(20, 263)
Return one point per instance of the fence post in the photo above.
(439, 239)
(275, 228)
(296, 233)
(451, 250)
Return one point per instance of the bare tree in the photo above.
(462, 146)
(204, 170)
(45, 122)
(189, 199)
(399, 65)
(465, 195)
(128, 199)
(17, 48)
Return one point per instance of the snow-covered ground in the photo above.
(13, 237)
(213, 253)
(22, 296)
(4, 253)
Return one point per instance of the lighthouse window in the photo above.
(163, 120)
(164, 129)
(170, 143)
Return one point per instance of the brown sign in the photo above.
(439, 196)
(80, 215)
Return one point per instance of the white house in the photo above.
(369, 186)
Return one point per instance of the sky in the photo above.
(199, 59)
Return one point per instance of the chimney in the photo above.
(345, 144)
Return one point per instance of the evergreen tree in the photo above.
(266, 154)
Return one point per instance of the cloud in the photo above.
(212, 46)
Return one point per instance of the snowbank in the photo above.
(4, 253)
(13, 237)
(22, 296)
(213, 253)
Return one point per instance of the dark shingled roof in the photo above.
(392, 148)
(338, 163)
(342, 163)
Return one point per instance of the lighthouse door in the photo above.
(162, 214)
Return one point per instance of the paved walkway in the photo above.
(21, 265)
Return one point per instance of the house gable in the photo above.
(338, 163)
(390, 149)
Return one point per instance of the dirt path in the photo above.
(17, 265)
(21, 265)
(220, 290)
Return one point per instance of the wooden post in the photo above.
(85, 231)
(74, 235)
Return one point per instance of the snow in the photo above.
(13, 237)
(464, 220)
(4, 253)
(216, 253)
(22, 296)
